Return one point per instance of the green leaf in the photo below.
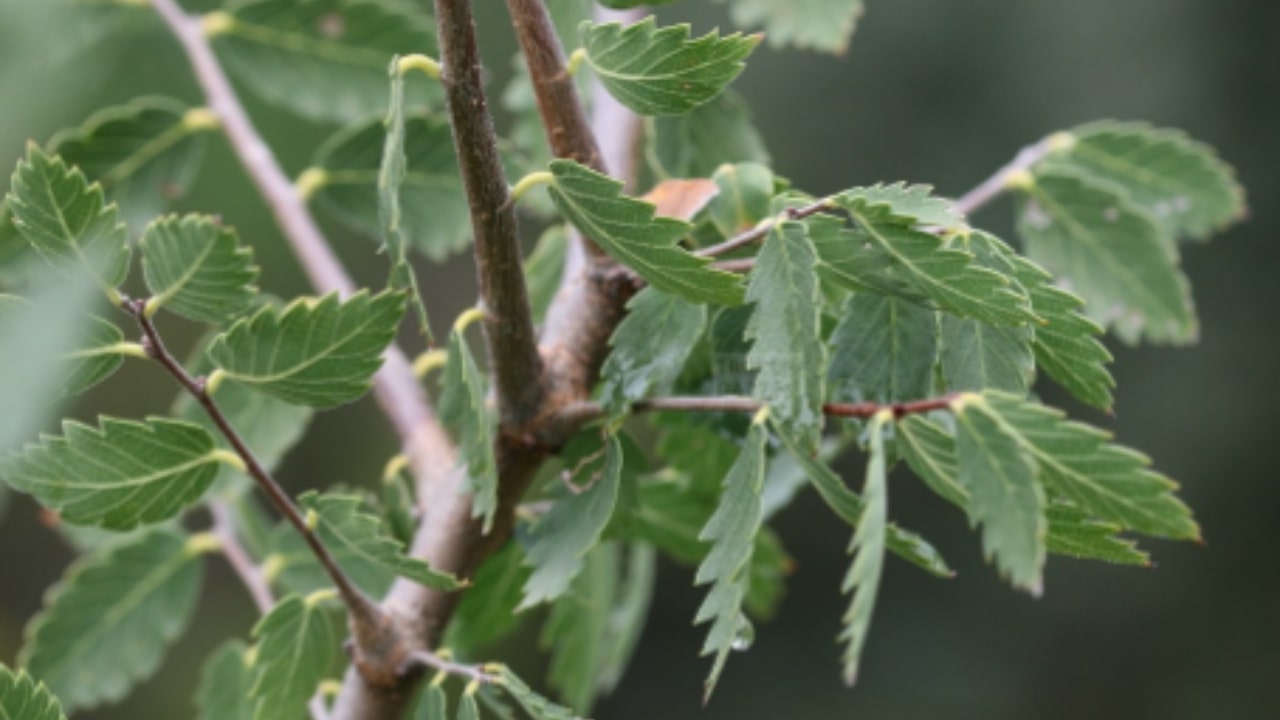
(1111, 254)
(391, 179)
(1004, 495)
(661, 71)
(97, 351)
(698, 142)
(914, 202)
(745, 198)
(538, 707)
(576, 630)
(434, 704)
(849, 507)
(434, 218)
(544, 267)
(224, 684)
(144, 154)
(562, 538)
(976, 356)
(106, 626)
(787, 351)
(120, 475)
(732, 530)
(823, 25)
(344, 526)
(1073, 533)
(650, 347)
(867, 546)
(1181, 183)
(318, 352)
(67, 220)
(849, 260)
(947, 276)
(465, 414)
(628, 231)
(883, 350)
(1066, 346)
(487, 612)
(1107, 481)
(323, 59)
(297, 647)
(930, 450)
(467, 708)
(627, 616)
(196, 268)
(22, 698)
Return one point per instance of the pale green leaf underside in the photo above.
(629, 232)
(120, 475)
(914, 202)
(1181, 183)
(976, 356)
(577, 629)
(824, 25)
(67, 220)
(323, 59)
(465, 414)
(867, 546)
(223, 693)
(883, 350)
(745, 197)
(346, 528)
(787, 350)
(650, 347)
(107, 625)
(696, 143)
(1111, 254)
(317, 352)
(196, 268)
(661, 71)
(563, 537)
(297, 646)
(93, 355)
(23, 698)
(538, 707)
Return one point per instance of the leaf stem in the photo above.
(762, 229)
(250, 574)
(437, 662)
(1028, 157)
(584, 412)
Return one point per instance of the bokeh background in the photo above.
(934, 91)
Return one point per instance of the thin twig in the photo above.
(584, 412)
(992, 187)
(758, 233)
(474, 673)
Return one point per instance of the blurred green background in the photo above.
(936, 91)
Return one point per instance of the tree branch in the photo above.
(250, 574)
(992, 187)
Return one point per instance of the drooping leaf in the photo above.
(1005, 496)
(1109, 482)
(576, 630)
(543, 269)
(224, 684)
(1110, 253)
(1074, 534)
(787, 349)
(119, 475)
(696, 143)
(650, 347)
(465, 414)
(1181, 183)
(745, 198)
(67, 220)
(930, 450)
(883, 350)
(732, 530)
(297, 647)
(23, 698)
(105, 627)
(538, 707)
(323, 59)
(850, 507)
(434, 219)
(661, 71)
(823, 25)
(627, 616)
(344, 526)
(562, 538)
(433, 705)
(197, 268)
(867, 547)
(467, 707)
(628, 231)
(144, 154)
(947, 276)
(487, 612)
(318, 352)
(391, 177)
(95, 353)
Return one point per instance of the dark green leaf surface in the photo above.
(224, 684)
(538, 707)
(627, 229)
(107, 625)
(787, 350)
(1181, 183)
(464, 412)
(1110, 253)
(197, 268)
(661, 71)
(976, 356)
(119, 475)
(487, 612)
(1074, 534)
(564, 536)
(745, 198)
(345, 527)
(650, 347)
(22, 698)
(916, 203)
(297, 647)
(543, 269)
(823, 25)
(867, 547)
(698, 142)
(318, 352)
(576, 632)
(67, 220)
(1004, 494)
(434, 704)
(323, 59)
(883, 350)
